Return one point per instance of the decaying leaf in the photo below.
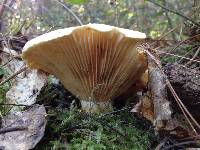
(145, 107)
(31, 123)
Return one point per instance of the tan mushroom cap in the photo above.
(95, 61)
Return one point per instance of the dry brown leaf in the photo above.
(145, 107)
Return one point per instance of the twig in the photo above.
(182, 57)
(11, 129)
(169, 20)
(183, 108)
(179, 44)
(179, 61)
(3, 65)
(70, 11)
(13, 75)
(114, 112)
(14, 105)
(9, 8)
(179, 144)
(169, 32)
(192, 59)
(2, 8)
(175, 12)
(196, 137)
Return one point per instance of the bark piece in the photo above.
(186, 83)
(154, 105)
(157, 87)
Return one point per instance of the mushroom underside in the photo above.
(95, 66)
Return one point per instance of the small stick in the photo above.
(192, 59)
(182, 57)
(113, 112)
(2, 8)
(179, 144)
(70, 11)
(13, 75)
(11, 129)
(7, 62)
(179, 44)
(175, 12)
(169, 32)
(13, 105)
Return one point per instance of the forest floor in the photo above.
(69, 127)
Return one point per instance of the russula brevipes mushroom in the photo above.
(95, 62)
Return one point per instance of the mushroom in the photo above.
(95, 62)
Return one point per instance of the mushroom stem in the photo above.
(96, 107)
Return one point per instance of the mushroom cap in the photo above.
(95, 61)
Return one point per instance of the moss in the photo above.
(3, 90)
(79, 131)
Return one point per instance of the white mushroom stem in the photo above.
(96, 107)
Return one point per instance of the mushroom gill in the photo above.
(95, 62)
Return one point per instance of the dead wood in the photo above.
(186, 83)
(157, 87)
(154, 105)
